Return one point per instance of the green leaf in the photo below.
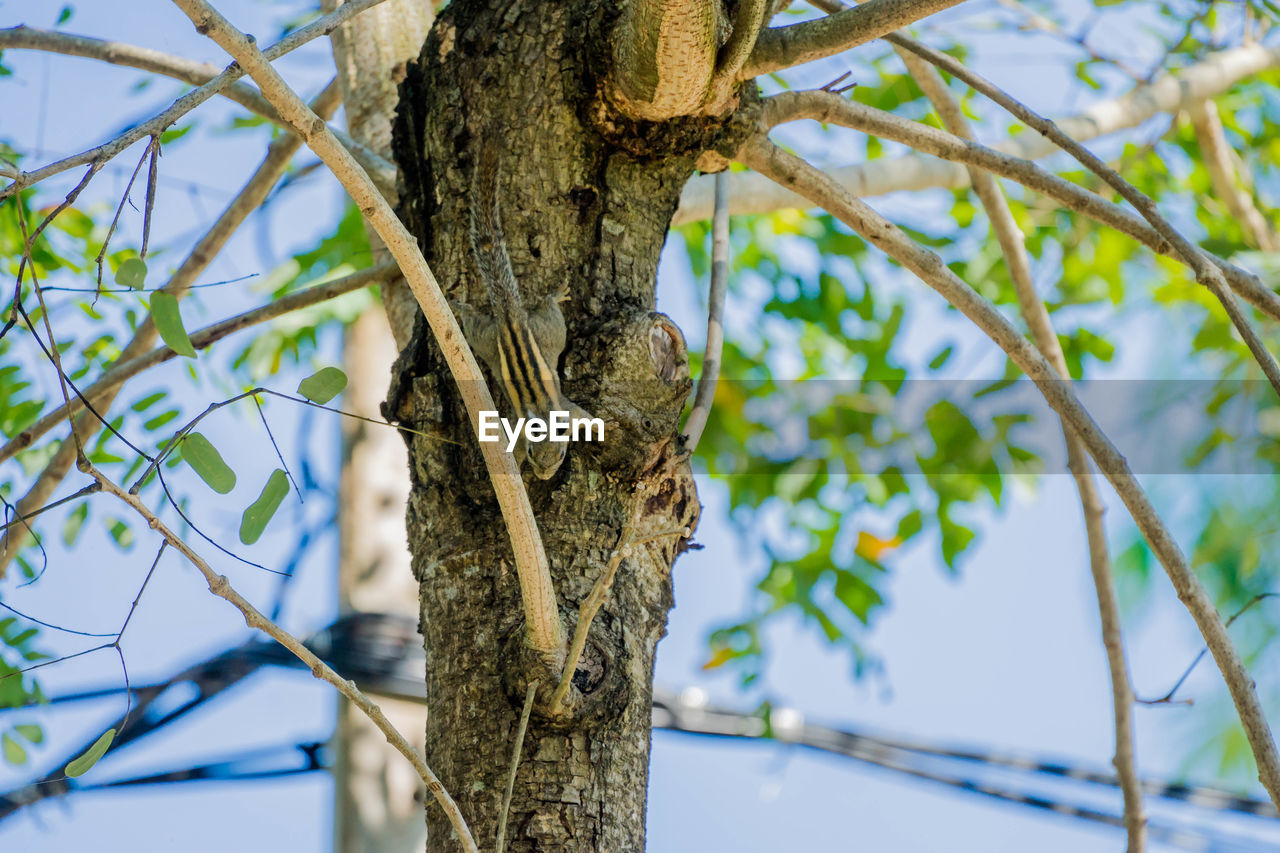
(33, 733)
(260, 511)
(82, 765)
(323, 385)
(120, 532)
(75, 521)
(132, 273)
(164, 310)
(13, 752)
(64, 15)
(174, 134)
(198, 452)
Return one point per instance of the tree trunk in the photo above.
(586, 198)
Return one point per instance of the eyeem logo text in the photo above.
(560, 426)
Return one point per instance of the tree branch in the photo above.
(782, 47)
(1206, 271)
(1215, 154)
(706, 393)
(221, 587)
(122, 371)
(825, 107)
(821, 190)
(545, 629)
(753, 193)
(1013, 246)
(251, 195)
(191, 100)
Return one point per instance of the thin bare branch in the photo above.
(1017, 259)
(1206, 271)
(1216, 155)
(516, 749)
(783, 47)
(221, 587)
(122, 371)
(825, 107)
(102, 153)
(542, 615)
(706, 393)
(1212, 76)
(821, 190)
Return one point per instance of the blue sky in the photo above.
(1005, 655)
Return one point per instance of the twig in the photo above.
(822, 190)
(21, 519)
(706, 393)
(221, 587)
(285, 465)
(1206, 272)
(501, 842)
(1167, 698)
(588, 609)
(320, 27)
(122, 371)
(153, 173)
(1037, 317)
(627, 542)
(542, 616)
(115, 220)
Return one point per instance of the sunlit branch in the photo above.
(1217, 157)
(712, 353)
(179, 68)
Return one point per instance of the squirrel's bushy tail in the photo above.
(487, 240)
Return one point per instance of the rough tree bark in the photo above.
(587, 198)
